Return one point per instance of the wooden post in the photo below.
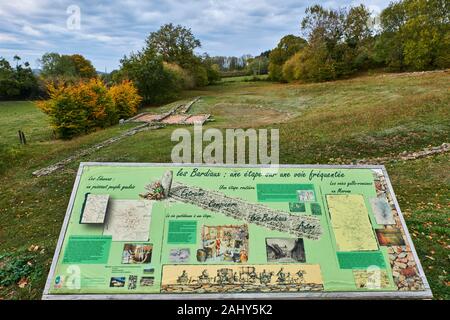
(22, 138)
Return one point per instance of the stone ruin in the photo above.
(177, 115)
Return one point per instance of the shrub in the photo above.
(213, 72)
(286, 48)
(291, 68)
(155, 83)
(125, 98)
(276, 72)
(79, 108)
(200, 74)
(310, 66)
(185, 78)
(85, 106)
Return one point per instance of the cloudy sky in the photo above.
(107, 30)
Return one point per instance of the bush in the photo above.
(286, 48)
(213, 72)
(184, 77)
(17, 82)
(125, 98)
(276, 72)
(291, 68)
(155, 83)
(200, 74)
(414, 35)
(80, 108)
(311, 64)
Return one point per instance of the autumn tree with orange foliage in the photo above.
(125, 98)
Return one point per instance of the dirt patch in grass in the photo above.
(174, 119)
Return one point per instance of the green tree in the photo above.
(83, 67)
(211, 67)
(258, 65)
(66, 67)
(426, 34)
(339, 43)
(415, 35)
(54, 65)
(18, 82)
(146, 69)
(9, 87)
(175, 44)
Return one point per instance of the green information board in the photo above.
(161, 230)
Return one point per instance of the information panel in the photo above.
(183, 231)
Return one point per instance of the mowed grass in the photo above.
(350, 119)
(42, 147)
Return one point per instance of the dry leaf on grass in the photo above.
(22, 283)
(33, 248)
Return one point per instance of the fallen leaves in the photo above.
(33, 248)
(23, 282)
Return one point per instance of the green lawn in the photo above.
(349, 119)
(245, 78)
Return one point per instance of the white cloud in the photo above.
(9, 38)
(29, 30)
(96, 37)
(111, 29)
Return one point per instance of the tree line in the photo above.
(17, 82)
(165, 66)
(244, 65)
(410, 35)
(336, 43)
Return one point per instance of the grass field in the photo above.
(245, 78)
(350, 119)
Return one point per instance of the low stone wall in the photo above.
(177, 115)
(187, 106)
(404, 156)
(52, 168)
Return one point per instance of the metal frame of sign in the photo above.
(419, 294)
